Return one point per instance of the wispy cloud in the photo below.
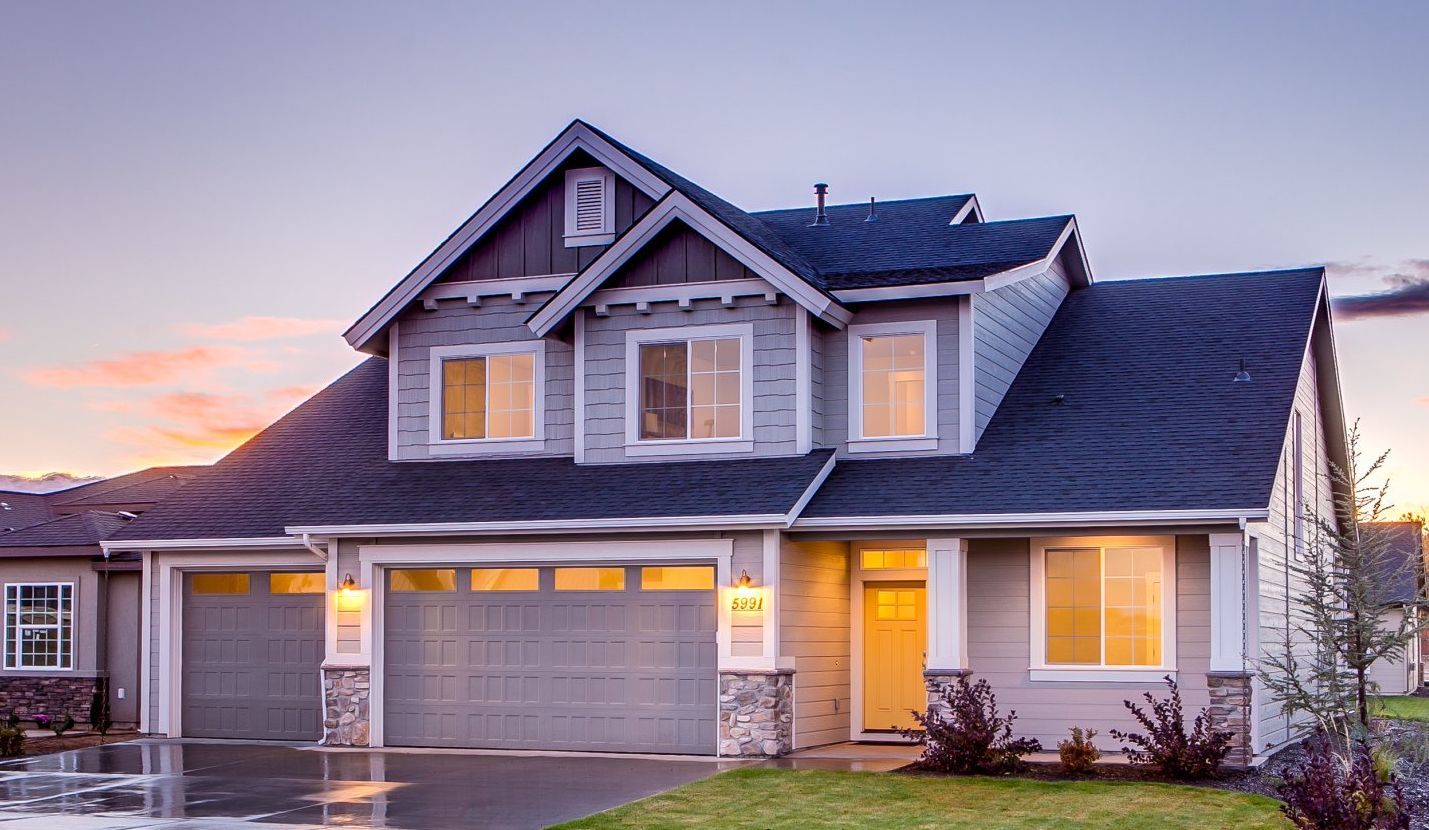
(146, 368)
(198, 423)
(42, 482)
(1406, 292)
(259, 328)
(6, 334)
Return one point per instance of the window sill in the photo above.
(1100, 675)
(593, 239)
(893, 444)
(487, 447)
(648, 448)
(37, 670)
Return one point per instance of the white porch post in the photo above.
(947, 606)
(1229, 569)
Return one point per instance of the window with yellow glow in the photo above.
(505, 579)
(690, 389)
(303, 583)
(896, 605)
(220, 583)
(682, 578)
(489, 397)
(590, 579)
(893, 377)
(1104, 606)
(425, 579)
(882, 560)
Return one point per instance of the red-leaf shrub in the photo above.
(1078, 753)
(1167, 745)
(1321, 794)
(967, 734)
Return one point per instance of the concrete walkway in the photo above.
(850, 757)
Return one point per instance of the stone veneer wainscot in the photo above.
(756, 714)
(346, 710)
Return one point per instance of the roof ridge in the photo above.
(758, 213)
(1269, 272)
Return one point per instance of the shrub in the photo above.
(61, 725)
(966, 734)
(12, 720)
(1167, 745)
(42, 720)
(12, 741)
(1324, 793)
(1078, 752)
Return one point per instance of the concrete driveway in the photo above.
(209, 785)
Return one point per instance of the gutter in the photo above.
(1133, 517)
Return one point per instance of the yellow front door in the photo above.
(895, 636)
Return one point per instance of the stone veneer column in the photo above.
(1230, 711)
(756, 713)
(346, 712)
(937, 681)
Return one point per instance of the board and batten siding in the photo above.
(497, 320)
(1278, 583)
(814, 632)
(1007, 323)
(999, 644)
(774, 366)
(833, 391)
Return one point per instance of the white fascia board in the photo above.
(911, 292)
(576, 137)
(249, 542)
(969, 207)
(810, 491)
(674, 206)
(538, 526)
(1032, 269)
(1039, 520)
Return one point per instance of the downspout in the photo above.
(320, 553)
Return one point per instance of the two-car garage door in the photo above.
(616, 659)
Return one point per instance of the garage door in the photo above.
(252, 645)
(614, 659)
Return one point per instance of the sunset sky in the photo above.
(196, 198)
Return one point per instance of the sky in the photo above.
(197, 197)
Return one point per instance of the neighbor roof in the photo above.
(88, 528)
(144, 487)
(1150, 418)
(325, 463)
(22, 509)
(1401, 571)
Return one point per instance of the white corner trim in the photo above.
(1088, 519)
(769, 577)
(578, 436)
(1229, 591)
(967, 377)
(606, 234)
(436, 354)
(803, 383)
(947, 604)
(635, 338)
(394, 391)
(929, 331)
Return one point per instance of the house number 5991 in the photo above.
(754, 603)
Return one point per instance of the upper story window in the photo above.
(487, 393)
(893, 386)
(39, 626)
(590, 207)
(690, 386)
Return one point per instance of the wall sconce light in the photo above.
(746, 596)
(349, 597)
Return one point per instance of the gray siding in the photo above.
(814, 631)
(679, 255)
(122, 644)
(88, 604)
(832, 349)
(1007, 323)
(999, 644)
(774, 360)
(498, 320)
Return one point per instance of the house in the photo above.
(71, 626)
(632, 469)
(1400, 595)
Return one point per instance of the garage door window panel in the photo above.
(297, 583)
(221, 583)
(590, 579)
(678, 578)
(410, 580)
(505, 579)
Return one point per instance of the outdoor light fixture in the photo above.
(746, 596)
(349, 598)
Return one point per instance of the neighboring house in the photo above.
(632, 469)
(1400, 593)
(71, 620)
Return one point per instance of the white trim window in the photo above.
(489, 396)
(690, 389)
(893, 386)
(590, 207)
(39, 626)
(1103, 607)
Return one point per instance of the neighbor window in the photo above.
(39, 626)
(690, 389)
(1104, 606)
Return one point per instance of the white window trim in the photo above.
(12, 654)
(606, 234)
(1041, 670)
(438, 445)
(899, 443)
(744, 442)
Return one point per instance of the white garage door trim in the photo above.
(372, 557)
(170, 570)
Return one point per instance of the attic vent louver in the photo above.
(821, 219)
(590, 207)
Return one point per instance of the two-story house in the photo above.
(632, 469)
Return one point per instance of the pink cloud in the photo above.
(6, 334)
(259, 328)
(147, 368)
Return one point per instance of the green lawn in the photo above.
(776, 798)
(1403, 708)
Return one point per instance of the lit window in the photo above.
(492, 396)
(302, 583)
(880, 560)
(893, 375)
(220, 583)
(1104, 606)
(432, 579)
(505, 579)
(896, 605)
(590, 579)
(682, 578)
(39, 626)
(690, 389)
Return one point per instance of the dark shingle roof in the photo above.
(1151, 419)
(145, 487)
(86, 528)
(325, 463)
(1401, 569)
(21, 509)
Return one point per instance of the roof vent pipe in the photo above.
(1242, 376)
(872, 211)
(821, 191)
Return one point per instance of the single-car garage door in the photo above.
(252, 646)
(614, 659)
